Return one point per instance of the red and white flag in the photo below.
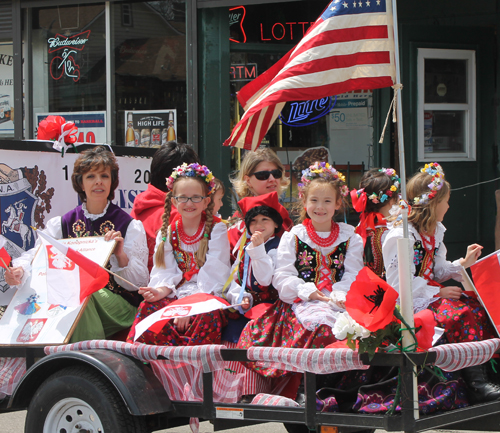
(4, 255)
(189, 306)
(486, 276)
(71, 276)
(349, 47)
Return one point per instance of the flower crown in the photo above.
(192, 170)
(325, 171)
(436, 171)
(382, 196)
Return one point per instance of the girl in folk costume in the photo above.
(263, 216)
(191, 256)
(379, 191)
(462, 317)
(316, 264)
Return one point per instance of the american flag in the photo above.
(349, 47)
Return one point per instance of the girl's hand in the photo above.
(473, 253)
(245, 303)
(318, 296)
(257, 238)
(182, 323)
(152, 294)
(118, 252)
(13, 276)
(340, 304)
(451, 292)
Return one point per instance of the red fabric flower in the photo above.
(425, 319)
(53, 127)
(370, 301)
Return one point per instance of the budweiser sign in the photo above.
(76, 42)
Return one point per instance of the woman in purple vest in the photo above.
(113, 308)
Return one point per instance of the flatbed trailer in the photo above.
(55, 384)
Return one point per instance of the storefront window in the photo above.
(6, 90)
(446, 114)
(150, 72)
(69, 63)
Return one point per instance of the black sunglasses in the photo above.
(264, 175)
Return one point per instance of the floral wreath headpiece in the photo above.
(382, 196)
(192, 170)
(322, 170)
(436, 171)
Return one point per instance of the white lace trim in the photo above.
(91, 216)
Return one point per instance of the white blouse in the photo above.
(135, 246)
(262, 265)
(210, 278)
(423, 293)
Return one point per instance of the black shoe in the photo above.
(479, 386)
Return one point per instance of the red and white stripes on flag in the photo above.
(349, 47)
(71, 276)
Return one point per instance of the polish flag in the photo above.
(486, 276)
(188, 306)
(71, 276)
(4, 255)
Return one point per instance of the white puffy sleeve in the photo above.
(423, 294)
(263, 263)
(136, 248)
(353, 263)
(445, 270)
(286, 277)
(54, 229)
(170, 275)
(215, 272)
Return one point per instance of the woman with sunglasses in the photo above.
(261, 172)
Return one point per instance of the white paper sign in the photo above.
(29, 318)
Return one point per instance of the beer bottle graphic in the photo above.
(130, 136)
(170, 129)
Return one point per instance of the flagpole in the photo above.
(121, 278)
(404, 247)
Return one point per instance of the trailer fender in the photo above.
(141, 391)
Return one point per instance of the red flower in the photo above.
(53, 127)
(425, 320)
(370, 301)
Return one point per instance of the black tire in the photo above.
(296, 428)
(79, 395)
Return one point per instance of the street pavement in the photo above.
(14, 423)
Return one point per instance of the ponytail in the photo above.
(160, 251)
(203, 247)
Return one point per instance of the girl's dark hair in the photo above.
(374, 181)
(91, 159)
(266, 211)
(167, 158)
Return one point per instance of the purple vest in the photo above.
(75, 225)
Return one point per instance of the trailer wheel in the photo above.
(296, 428)
(76, 399)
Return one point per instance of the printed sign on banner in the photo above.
(36, 186)
(91, 125)
(30, 318)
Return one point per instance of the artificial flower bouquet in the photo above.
(372, 320)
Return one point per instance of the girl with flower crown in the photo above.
(191, 256)
(316, 263)
(462, 317)
(379, 191)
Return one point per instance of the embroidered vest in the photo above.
(259, 293)
(308, 262)
(422, 258)
(372, 255)
(74, 224)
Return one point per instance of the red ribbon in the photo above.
(369, 220)
(359, 201)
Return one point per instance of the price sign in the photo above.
(91, 124)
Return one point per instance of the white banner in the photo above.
(36, 186)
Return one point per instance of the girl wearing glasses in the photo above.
(191, 256)
(261, 172)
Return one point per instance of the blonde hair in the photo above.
(201, 253)
(219, 186)
(300, 206)
(423, 216)
(248, 165)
